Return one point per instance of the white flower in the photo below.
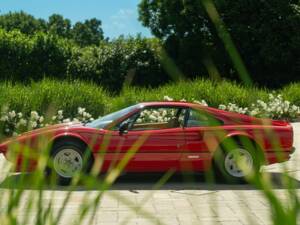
(23, 122)
(60, 112)
(41, 119)
(33, 124)
(34, 115)
(203, 102)
(81, 110)
(85, 114)
(54, 117)
(295, 108)
(167, 98)
(155, 113)
(253, 113)
(12, 114)
(152, 118)
(67, 120)
(4, 118)
(20, 115)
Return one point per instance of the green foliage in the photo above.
(266, 34)
(84, 33)
(213, 93)
(24, 58)
(59, 26)
(68, 96)
(23, 22)
(186, 31)
(292, 92)
(88, 33)
(48, 96)
(131, 60)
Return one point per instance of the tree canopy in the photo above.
(22, 21)
(88, 32)
(266, 33)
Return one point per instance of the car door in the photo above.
(200, 132)
(154, 145)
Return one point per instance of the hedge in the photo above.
(68, 96)
(32, 58)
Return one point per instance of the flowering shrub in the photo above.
(156, 116)
(276, 108)
(14, 123)
(82, 116)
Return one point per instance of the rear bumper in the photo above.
(279, 156)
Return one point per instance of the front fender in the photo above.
(68, 134)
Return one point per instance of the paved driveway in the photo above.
(179, 201)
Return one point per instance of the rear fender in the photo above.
(237, 135)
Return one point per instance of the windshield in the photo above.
(105, 120)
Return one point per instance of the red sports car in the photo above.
(160, 136)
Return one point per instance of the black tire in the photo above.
(225, 167)
(80, 154)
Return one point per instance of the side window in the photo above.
(199, 118)
(159, 118)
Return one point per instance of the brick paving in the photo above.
(177, 203)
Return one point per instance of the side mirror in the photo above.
(123, 129)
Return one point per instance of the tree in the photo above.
(266, 33)
(84, 33)
(59, 26)
(88, 33)
(22, 21)
(187, 32)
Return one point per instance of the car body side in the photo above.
(181, 148)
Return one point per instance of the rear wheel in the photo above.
(236, 164)
(67, 160)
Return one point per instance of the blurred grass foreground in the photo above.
(33, 198)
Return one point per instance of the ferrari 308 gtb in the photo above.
(160, 136)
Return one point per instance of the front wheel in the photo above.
(236, 165)
(67, 160)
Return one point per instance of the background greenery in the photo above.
(267, 35)
(68, 96)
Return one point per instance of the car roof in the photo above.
(171, 103)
